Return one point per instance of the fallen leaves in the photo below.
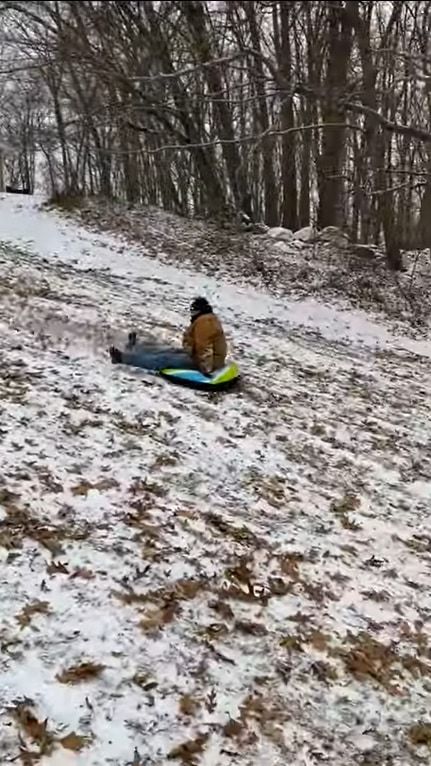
(302, 556)
(159, 617)
(74, 742)
(83, 574)
(31, 727)
(289, 564)
(233, 729)
(239, 534)
(20, 524)
(188, 751)
(318, 640)
(222, 608)
(323, 671)
(189, 705)
(86, 671)
(142, 486)
(29, 611)
(249, 628)
(291, 643)
(57, 567)
(368, 658)
(420, 734)
(37, 732)
(181, 590)
(341, 508)
(266, 714)
(84, 487)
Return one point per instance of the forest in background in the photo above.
(292, 112)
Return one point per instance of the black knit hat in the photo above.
(200, 306)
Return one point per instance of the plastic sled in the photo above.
(221, 380)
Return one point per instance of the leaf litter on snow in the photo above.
(213, 581)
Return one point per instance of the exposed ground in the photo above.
(232, 580)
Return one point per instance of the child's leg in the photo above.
(156, 359)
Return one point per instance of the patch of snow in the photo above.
(306, 234)
(265, 553)
(281, 234)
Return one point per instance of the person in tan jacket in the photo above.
(204, 340)
(204, 346)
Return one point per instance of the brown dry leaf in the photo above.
(83, 574)
(74, 742)
(189, 589)
(300, 618)
(233, 729)
(251, 593)
(222, 608)
(342, 508)
(317, 592)
(379, 596)
(187, 752)
(144, 486)
(318, 640)
(189, 705)
(241, 571)
(27, 757)
(239, 534)
(289, 565)
(130, 597)
(35, 730)
(32, 727)
(160, 617)
(56, 567)
(218, 654)
(251, 628)
(79, 673)
(323, 671)
(36, 607)
(9, 541)
(165, 460)
(350, 502)
(348, 523)
(181, 590)
(84, 487)
(255, 707)
(420, 734)
(279, 587)
(366, 657)
(339, 578)
(291, 643)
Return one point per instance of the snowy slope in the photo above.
(219, 580)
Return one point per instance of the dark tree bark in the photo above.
(330, 182)
(282, 33)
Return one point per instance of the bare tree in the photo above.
(279, 108)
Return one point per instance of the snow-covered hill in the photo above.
(214, 580)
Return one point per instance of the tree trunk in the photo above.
(195, 14)
(289, 141)
(375, 139)
(330, 182)
(269, 181)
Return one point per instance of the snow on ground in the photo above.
(326, 270)
(219, 580)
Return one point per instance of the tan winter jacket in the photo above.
(205, 341)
